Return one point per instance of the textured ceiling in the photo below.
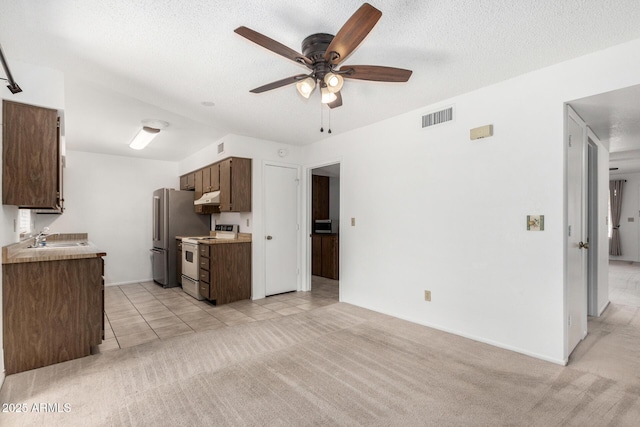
(125, 61)
(615, 118)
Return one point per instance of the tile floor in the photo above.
(141, 312)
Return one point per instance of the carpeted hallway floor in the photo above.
(339, 365)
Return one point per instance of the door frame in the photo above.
(306, 227)
(572, 115)
(591, 214)
(261, 235)
(592, 225)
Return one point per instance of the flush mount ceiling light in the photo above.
(150, 129)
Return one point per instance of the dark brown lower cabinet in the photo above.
(225, 272)
(53, 311)
(325, 255)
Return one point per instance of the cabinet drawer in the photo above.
(204, 250)
(204, 289)
(204, 276)
(204, 264)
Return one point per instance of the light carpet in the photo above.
(338, 365)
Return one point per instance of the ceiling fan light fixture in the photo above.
(327, 96)
(306, 87)
(334, 82)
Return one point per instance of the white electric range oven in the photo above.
(190, 265)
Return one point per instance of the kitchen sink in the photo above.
(59, 245)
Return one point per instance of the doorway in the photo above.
(323, 220)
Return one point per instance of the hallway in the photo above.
(612, 345)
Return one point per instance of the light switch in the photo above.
(535, 222)
(353, 222)
(631, 219)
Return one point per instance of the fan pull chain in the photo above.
(322, 119)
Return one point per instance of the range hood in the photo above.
(212, 198)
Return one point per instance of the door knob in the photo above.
(269, 237)
(583, 245)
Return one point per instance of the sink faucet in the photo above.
(41, 237)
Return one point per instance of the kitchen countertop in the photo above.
(204, 240)
(20, 252)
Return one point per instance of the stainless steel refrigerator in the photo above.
(173, 215)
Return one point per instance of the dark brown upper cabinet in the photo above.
(31, 157)
(320, 197)
(231, 176)
(211, 178)
(188, 181)
(235, 185)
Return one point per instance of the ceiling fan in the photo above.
(323, 53)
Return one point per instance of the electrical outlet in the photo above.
(427, 296)
(247, 222)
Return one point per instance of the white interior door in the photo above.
(281, 229)
(576, 298)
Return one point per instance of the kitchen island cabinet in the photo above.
(31, 157)
(53, 305)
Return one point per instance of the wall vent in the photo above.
(221, 148)
(437, 117)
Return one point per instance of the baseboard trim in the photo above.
(604, 308)
(562, 362)
(130, 282)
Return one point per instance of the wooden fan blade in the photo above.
(273, 45)
(337, 103)
(279, 83)
(375, 73)
(352, 33)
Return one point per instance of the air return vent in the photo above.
(221, 148)
(437, 117)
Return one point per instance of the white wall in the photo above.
(459, 207)
(629, 218)
(603, 229)
(43, 87)
(260, 151)
(109, 197)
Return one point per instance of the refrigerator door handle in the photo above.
(156, 218)
(156, 251)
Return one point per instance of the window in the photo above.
(24, 219)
